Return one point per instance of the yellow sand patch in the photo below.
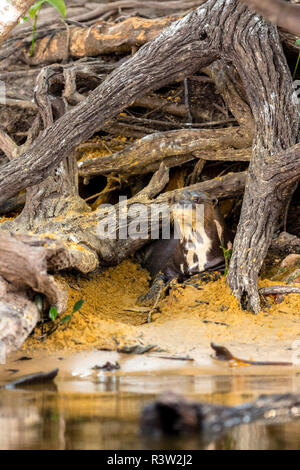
(189, 317)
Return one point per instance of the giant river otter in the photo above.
(198, 249)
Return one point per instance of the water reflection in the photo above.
(102, 412)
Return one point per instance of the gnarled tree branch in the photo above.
(286, 15)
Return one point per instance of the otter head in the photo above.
(200, 227)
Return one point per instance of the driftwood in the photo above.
(24, 265)
(18, 317)
(146, 154)
(223, 187)
(25, 262)
(281, 290)
(282, 13)
(102, 38)
(223, 354)
(172, 415)
(32, 379)
(60, 43)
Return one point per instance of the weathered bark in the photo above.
(15, 203)
(112, 251)
(171, 5)
(286, 244)
(219, 29)
(24, 265)
(189, 55)
(225, 155)
(84, 119)
(222, 187)
(279, 290)
(7, 145)
(102, 38)
(25, 262)
(145, 155)
(229, 86)
(58, 194)
(275, 110)
(283, 14)
(18, 317)
(10, 13)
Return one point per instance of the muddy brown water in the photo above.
(86, 408)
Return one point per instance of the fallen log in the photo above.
(222, 187)
(101, 38)
(59, 43)
(146, 154)
(25, 263)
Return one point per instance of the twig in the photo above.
(223, 354)
(7, 145)
(173, 358)
(273, 290)
(187, 100)
(173, 5)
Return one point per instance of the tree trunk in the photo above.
(275, 109)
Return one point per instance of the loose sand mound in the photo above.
(189, 319)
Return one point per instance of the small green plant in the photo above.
(34, 13)
(53, 314)
(298, 59)
(227, 256)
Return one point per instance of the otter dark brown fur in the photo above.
(199, 247)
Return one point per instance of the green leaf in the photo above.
(78, 305)
(33, 11)
(298, 42)
(53, 312)
(38, 300)
(59, 5)
(65, 319)
(25, 18)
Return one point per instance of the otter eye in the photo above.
(203, 35)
